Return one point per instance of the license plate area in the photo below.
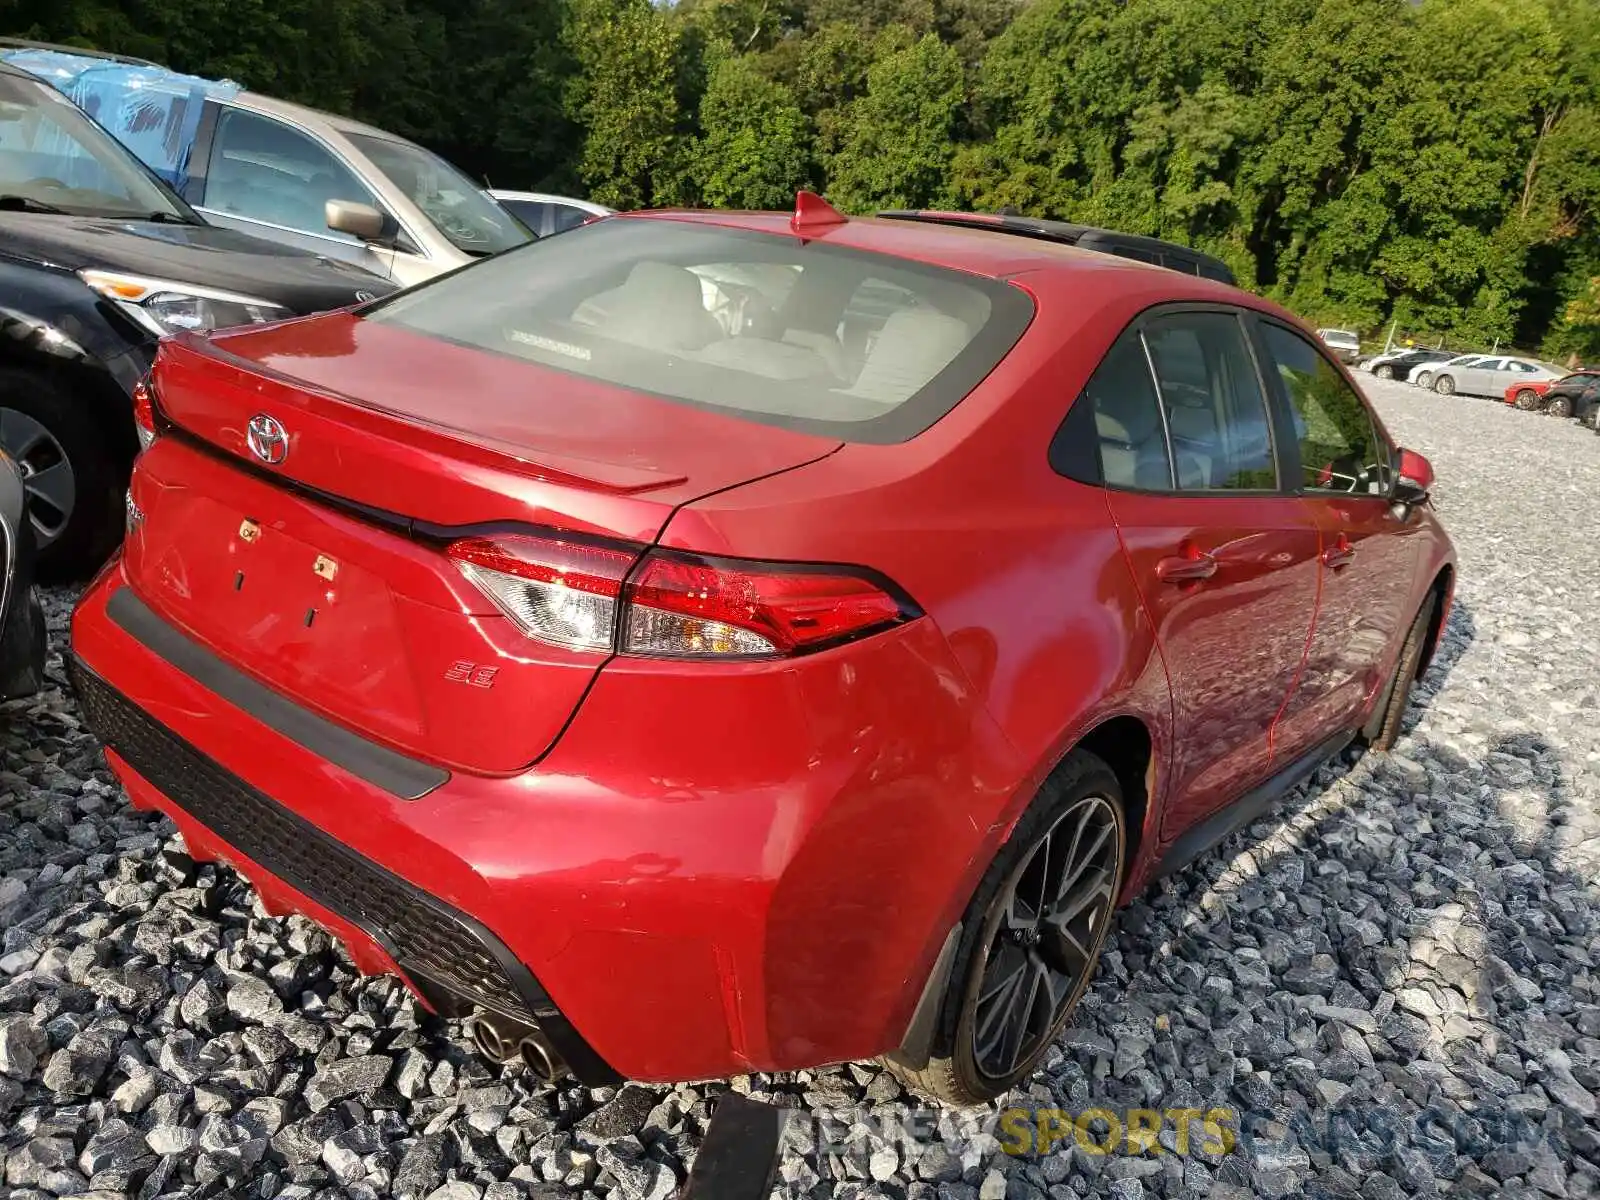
(281, 607)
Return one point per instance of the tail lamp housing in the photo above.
(608, 597)
(144, 413)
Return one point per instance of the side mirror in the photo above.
(1414, 478)
(356, 219)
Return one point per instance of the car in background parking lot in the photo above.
(1346, 346)
(1568, 396)
(98, 259)
(321, 183)
(1490, 375)
(545, 214)
(1422, 374)
(1398, 364)
(643, 679)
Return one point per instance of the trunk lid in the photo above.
(324, 574)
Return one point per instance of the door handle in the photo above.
(1186, 568)
(1340, 554)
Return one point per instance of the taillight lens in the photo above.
(144, 413)
(693, 608)
(555, 590)
(579, 595)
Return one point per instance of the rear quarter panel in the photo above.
(1020, 570)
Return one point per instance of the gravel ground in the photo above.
(1391, 988)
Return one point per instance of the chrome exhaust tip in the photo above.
(497, 1038)
(503, 1041)
(541, 1057)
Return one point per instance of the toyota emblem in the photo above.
(267, 439)
(363, 297)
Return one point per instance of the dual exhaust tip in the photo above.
(502, 1040)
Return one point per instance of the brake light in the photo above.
(144, 413)
(580, 595)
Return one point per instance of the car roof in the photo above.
(311, 117)
(977, 250)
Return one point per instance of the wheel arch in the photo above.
(1125, 744)
(1443, 587)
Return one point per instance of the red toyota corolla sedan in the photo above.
(703, 643)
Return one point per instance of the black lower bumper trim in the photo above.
(440, 948)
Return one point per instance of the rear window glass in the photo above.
(844, 343)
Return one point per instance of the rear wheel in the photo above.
(1383, 730)
(70, 473)
(1445, 386)
(1383, 371)
(1527, 399)
(1559, 406)
(1030, 940)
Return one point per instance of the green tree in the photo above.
(898, 138)
(753, 151)
(625, 99)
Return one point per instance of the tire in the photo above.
(1424, 380)
(1445, 385)
(1383, 371)
(1383, 730)
(1560, 406)
(959, 1071)
(74, 475)
(1527, 400)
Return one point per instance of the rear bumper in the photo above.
(688, 887)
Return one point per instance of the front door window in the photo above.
(264, 170)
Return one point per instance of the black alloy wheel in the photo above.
(1048, 925)
(47, 476)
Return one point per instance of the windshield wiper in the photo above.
(168, 218)
(15, 203)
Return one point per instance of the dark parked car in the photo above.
(1575, 395)
(694, 697)
(1397, 364)
(98, 259)
(21, 618)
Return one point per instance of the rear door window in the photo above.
(801, 334)
(1215, 409)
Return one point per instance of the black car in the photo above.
(1575, 395)
(1397, 364)
(21, 617)
(98, 259)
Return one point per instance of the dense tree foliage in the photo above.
(1435, 164)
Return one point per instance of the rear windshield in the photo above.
(843, 343)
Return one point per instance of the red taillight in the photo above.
(144, 413)
(681, 606)
(579, 594)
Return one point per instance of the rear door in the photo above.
(1369, 551)
(1225, 558)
